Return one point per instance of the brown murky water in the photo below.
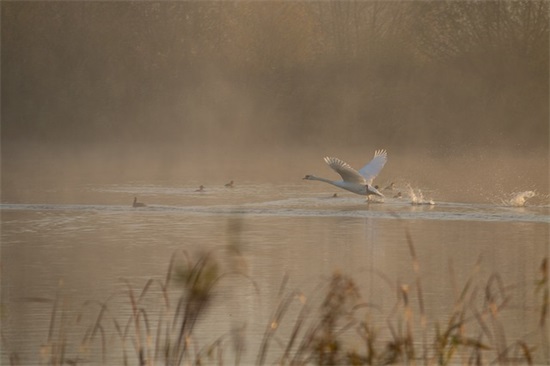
(84, 252)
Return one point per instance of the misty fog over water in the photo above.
(132, 71)
(180, 89)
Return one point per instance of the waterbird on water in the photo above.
(390, 187)
(137, 204)
(201, 189)
(229, 185)
(358, 182)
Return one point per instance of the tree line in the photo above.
(447, 72)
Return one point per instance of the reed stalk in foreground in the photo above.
(334, 325)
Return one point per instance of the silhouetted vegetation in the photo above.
(335, 325)
(440, 73)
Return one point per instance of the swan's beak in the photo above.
(374, 191)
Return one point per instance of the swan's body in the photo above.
(137, 204)
(358, 182)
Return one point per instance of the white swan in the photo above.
(358, 182)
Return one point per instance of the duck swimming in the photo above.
(138, 204)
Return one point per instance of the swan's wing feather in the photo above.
(347, 173)
(371, 170)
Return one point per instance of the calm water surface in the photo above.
(89, 249)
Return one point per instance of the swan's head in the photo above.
(373, 190)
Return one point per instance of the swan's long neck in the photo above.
(312, 177)
(336, 183)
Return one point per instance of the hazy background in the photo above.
(263, 90)
(104, 100)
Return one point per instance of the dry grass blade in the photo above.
(543, 285)
(143, 315)
(274, 322)
(144, 290)
(96, 327)
(298, 324)
(53, 316)
(420, 294)
(135, 319)
(526, 351)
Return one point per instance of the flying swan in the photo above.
(358, 182)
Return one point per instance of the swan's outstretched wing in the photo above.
(371, 170)
(347, 172)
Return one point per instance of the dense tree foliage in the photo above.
(452, 72)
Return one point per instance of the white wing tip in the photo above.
(331, 159)
(381, 152)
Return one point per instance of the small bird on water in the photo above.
(201, 189)
(138, 204)
(390, 187)
(229, 185)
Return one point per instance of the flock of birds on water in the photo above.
(361, 181)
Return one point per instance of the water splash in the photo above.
(519, 199)
(417, 197)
